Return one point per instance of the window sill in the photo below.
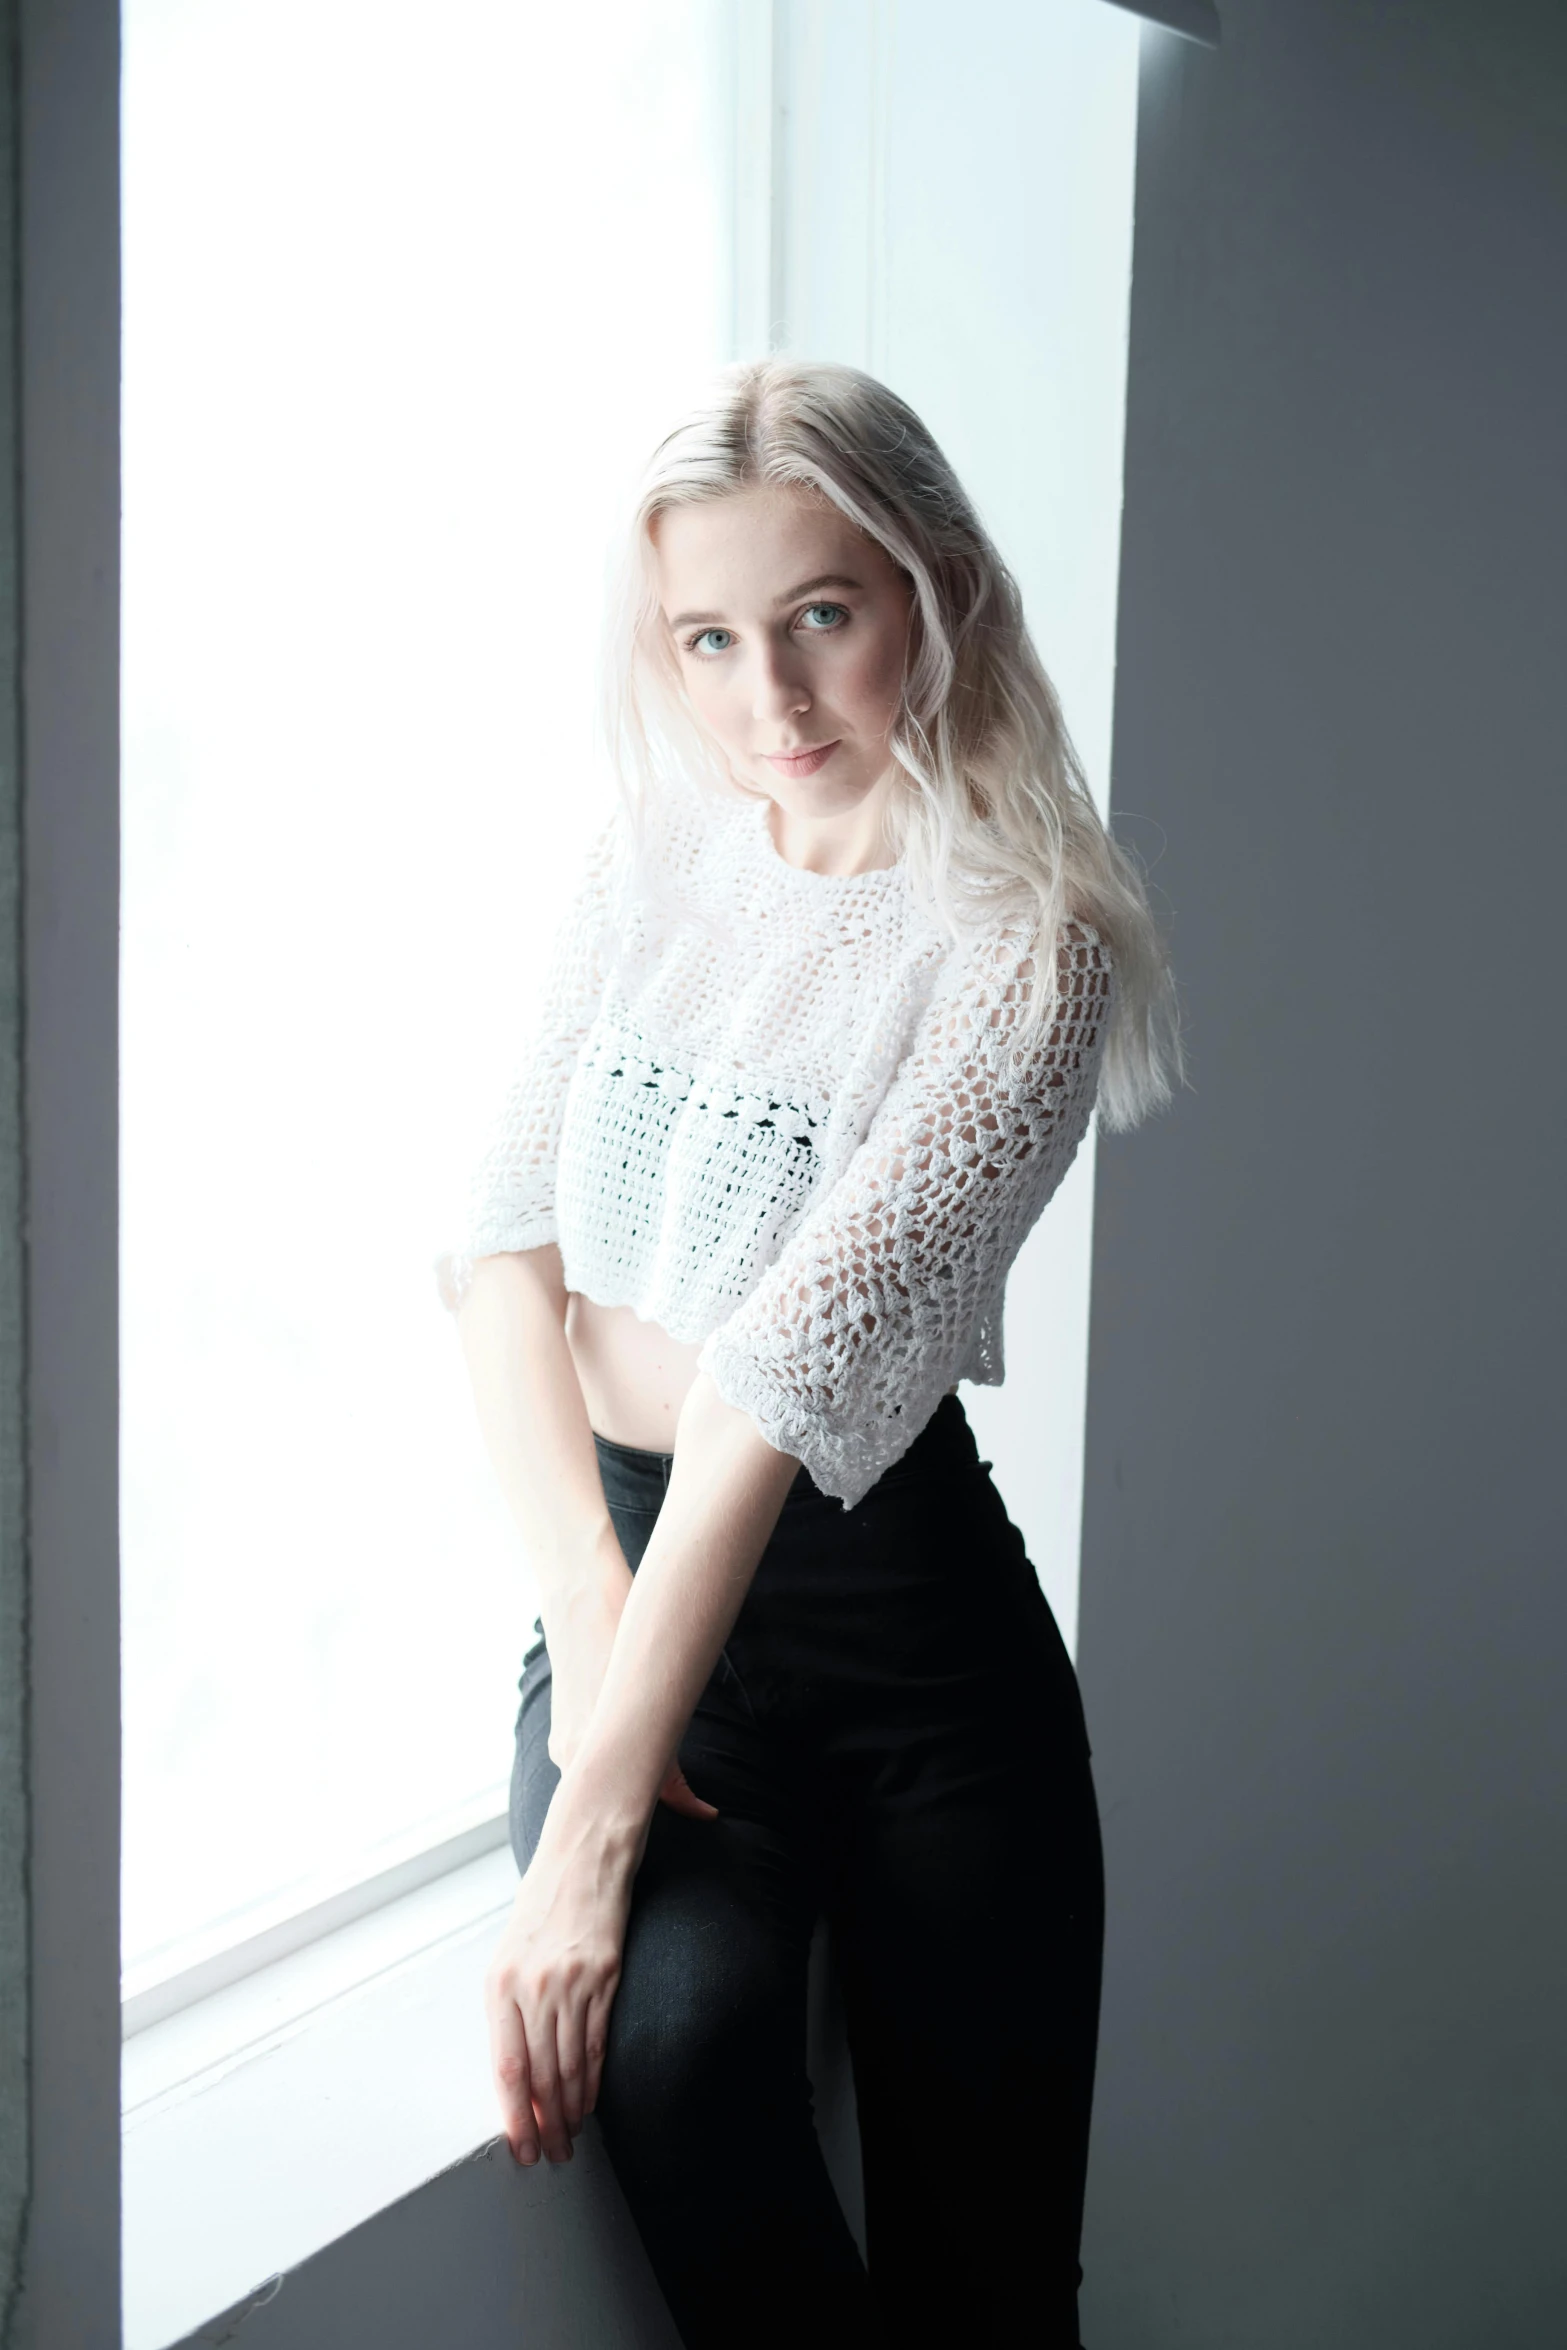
(265, 2121)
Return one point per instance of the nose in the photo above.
(779, 689)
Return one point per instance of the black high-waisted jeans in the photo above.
(894, 1739)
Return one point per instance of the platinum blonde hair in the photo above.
(992, 817)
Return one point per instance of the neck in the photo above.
(839, 845)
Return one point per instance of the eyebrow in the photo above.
(827, 579)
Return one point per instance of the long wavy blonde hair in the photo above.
(994, 818)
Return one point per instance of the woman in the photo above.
(797, 1094)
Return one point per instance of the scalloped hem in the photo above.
(843, 1467)
(454, 1267)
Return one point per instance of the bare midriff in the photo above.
(633, 1375)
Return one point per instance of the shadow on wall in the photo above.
(528, 2247)
(547, 2257)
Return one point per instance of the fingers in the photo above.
(682, 1797)
(571, 2066)
(513, 2082)
(566, 2091)
(548, 2089)
(581, 2036)
(581, 2033)
(540, 2070)
(595, 2038)
(531, 2080)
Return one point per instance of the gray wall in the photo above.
(59, 788)
(15, 2006)
(1323, 1592)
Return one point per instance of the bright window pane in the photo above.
(407, 295)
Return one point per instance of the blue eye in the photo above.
(698, 642)
(835, 615)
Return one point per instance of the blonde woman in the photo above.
(837, 992)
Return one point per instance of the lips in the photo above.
(798, 763)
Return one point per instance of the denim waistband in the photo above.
(635, 1477)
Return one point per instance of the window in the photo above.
(406, 298)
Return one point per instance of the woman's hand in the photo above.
(581, 1633)
(552, 1980)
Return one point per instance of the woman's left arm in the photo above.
(553, 1979)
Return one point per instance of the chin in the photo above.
(817, 795)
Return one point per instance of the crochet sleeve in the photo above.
(512, 1196)
(870, 1312)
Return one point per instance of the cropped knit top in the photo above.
(781, 1114)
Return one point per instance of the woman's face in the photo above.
(790, 631)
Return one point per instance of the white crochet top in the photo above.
(780, 1114)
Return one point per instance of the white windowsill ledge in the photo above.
(267, 2120)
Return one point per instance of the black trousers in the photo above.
(894, 1738)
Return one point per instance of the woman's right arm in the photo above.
(512, 1328)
